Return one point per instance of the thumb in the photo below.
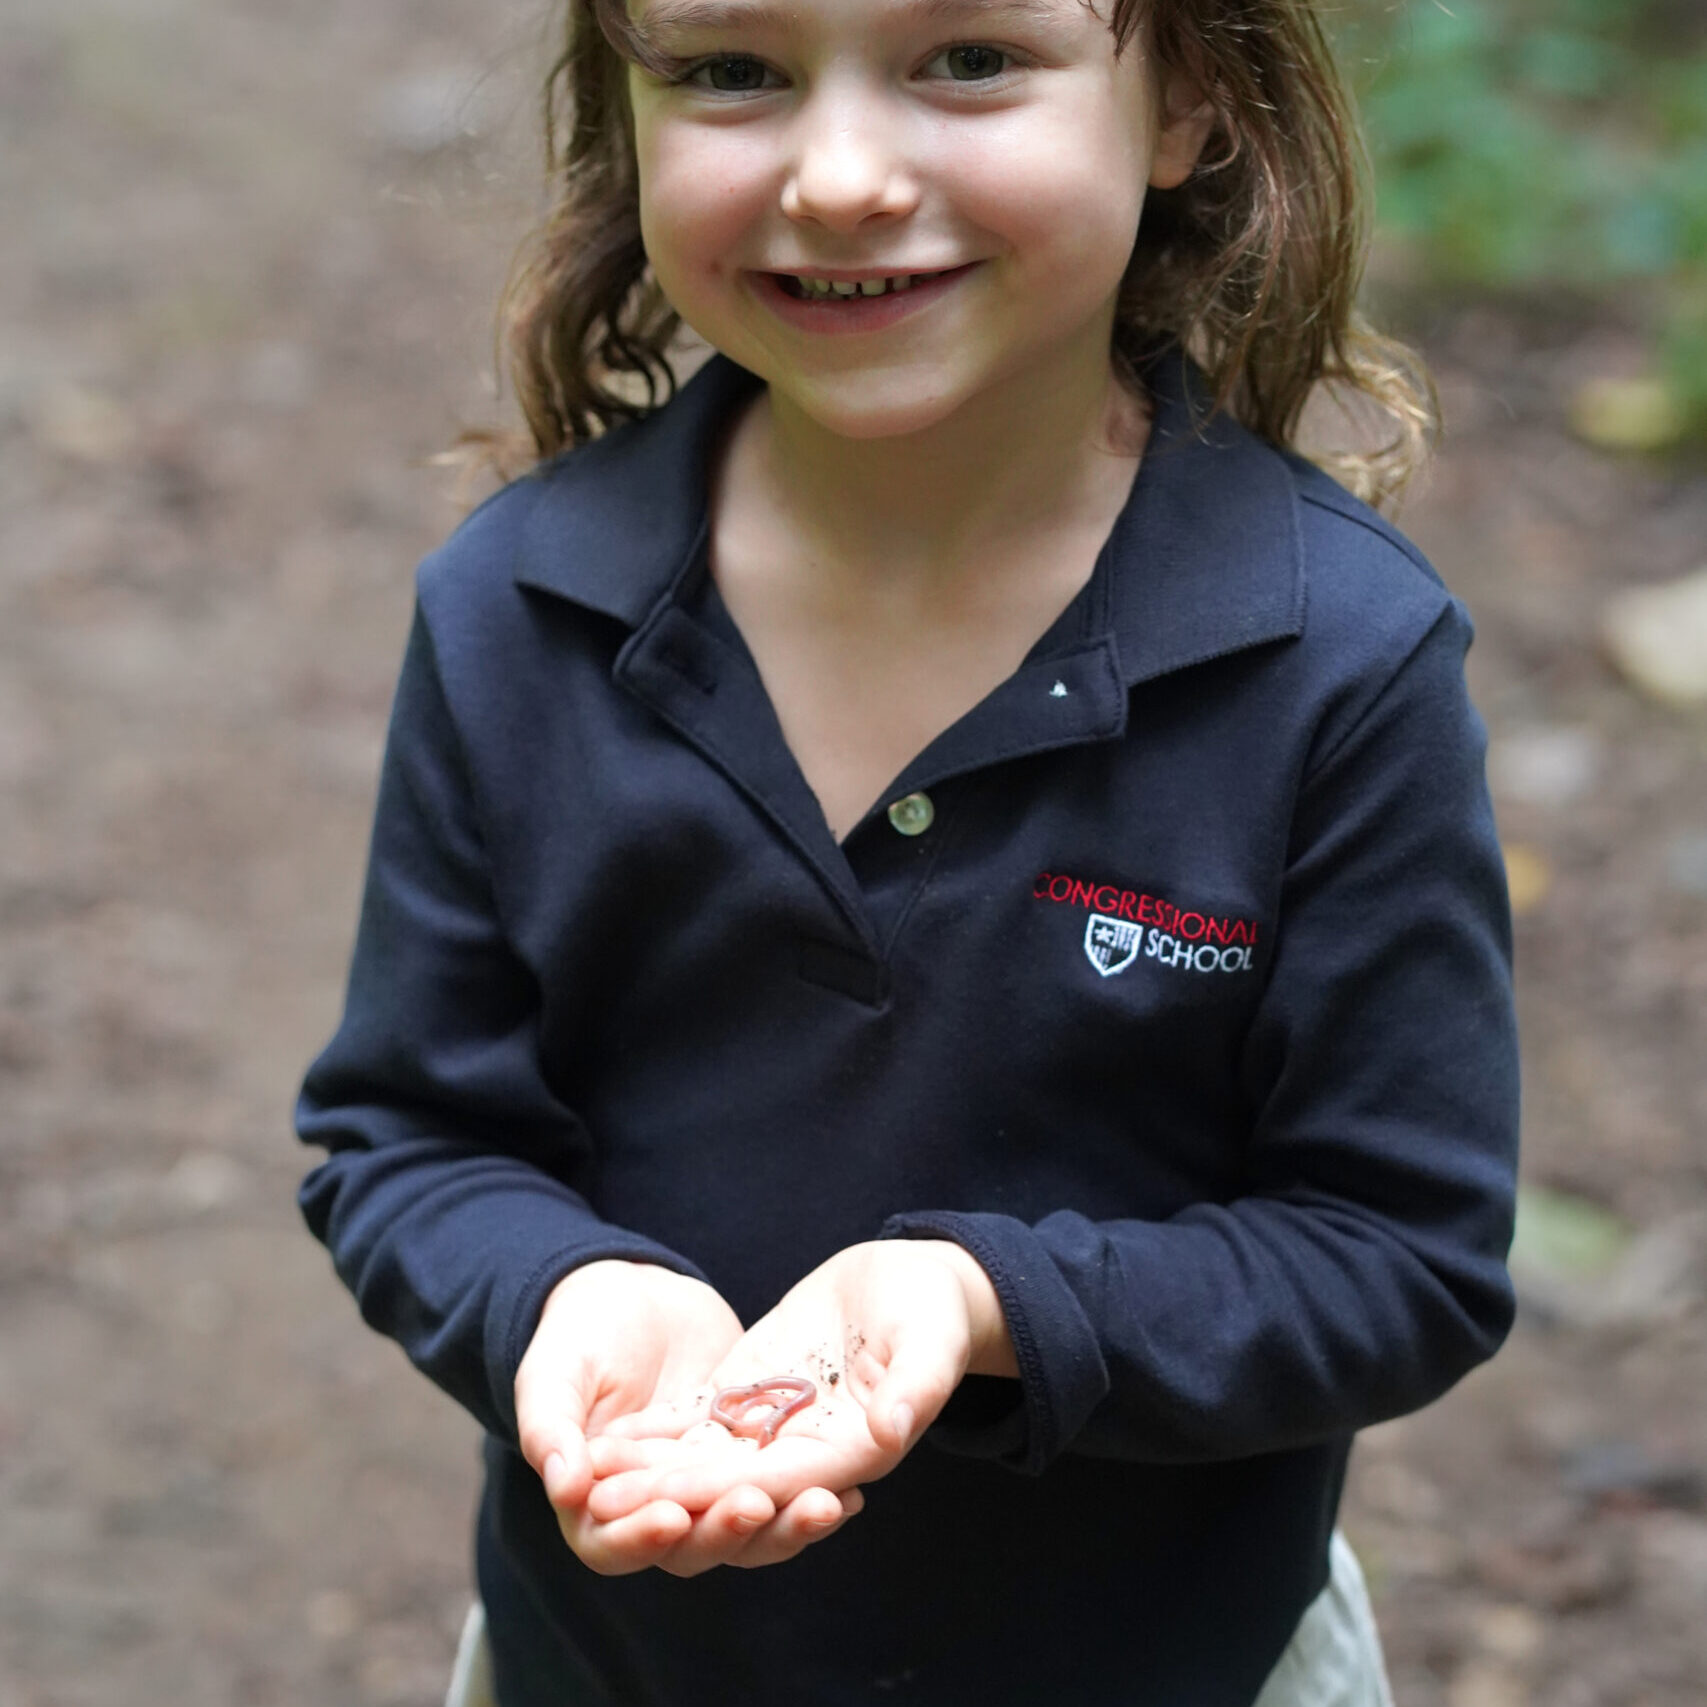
(930, 1334)
(905, 1402)
(551, 1430)
(567, 1469)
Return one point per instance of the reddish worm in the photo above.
(731, 1407)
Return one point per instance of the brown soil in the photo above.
(250, 251)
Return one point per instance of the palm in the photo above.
(675, 1452)
(616, 1338)
(846, 1328)
(640, 1369)
(619, 1338)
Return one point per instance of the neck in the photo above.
(1043, 453)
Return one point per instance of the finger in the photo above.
(720, 1536)
(703, 1482)
(636, 1468)
(611, 1457)
(633, 1543)
(613, 1453)
(624, 1491)
(812, 1516)
(790, 1465)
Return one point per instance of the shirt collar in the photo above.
(1206, 554)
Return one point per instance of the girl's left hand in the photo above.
(883, 1330)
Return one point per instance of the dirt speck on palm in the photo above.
(250, 257)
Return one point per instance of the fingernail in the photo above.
(552, 1473)
(901, 1420)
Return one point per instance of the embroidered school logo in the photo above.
(1126, 925)
(1111, 945)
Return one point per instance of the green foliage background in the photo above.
(1547, 146)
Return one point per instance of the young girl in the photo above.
(949, 843)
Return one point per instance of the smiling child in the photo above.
(932, 1015)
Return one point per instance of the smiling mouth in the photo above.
(850, 290)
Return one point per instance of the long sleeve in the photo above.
(453, 1199)
(1360, 1270)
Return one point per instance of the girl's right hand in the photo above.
(615, 1338)
(883, 1330)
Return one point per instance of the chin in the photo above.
(876, 412)
(872, 425)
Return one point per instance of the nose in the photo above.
(844, 170)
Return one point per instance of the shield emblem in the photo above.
(1111, 945)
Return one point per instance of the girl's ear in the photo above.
(1186, 118)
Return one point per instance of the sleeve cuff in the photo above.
(1063, 1376)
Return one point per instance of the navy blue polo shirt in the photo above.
(1172, 981)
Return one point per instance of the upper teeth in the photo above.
(864, 287)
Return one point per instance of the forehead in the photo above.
(656, 17)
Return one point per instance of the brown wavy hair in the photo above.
(1253, 264)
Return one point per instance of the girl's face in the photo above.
(890, 208)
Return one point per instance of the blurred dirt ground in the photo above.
(247, 262)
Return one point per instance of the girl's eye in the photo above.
(731, 75)
(971, 63)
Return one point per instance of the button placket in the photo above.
(893, 868)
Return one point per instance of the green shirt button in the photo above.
(912, 814)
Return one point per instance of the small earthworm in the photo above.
(730, 1407)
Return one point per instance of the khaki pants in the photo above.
(1334, 1657)
(1333, 1660)
(471, 1678)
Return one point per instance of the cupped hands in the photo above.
(614, 1400)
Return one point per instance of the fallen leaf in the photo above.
(1510, 1632)
(1564, 1573)
(1545, 765)
(1642, 414)
(86, 425)
(1528, 876)
(1561, 1234)
(1657, 636)
(1487, 1683)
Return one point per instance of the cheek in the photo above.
(700, 196)
(1067, 208)
(1065, 177)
